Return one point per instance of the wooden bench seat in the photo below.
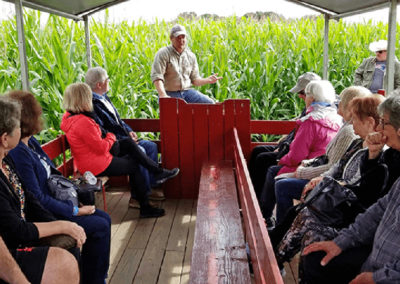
(228, 218)
(219, 251)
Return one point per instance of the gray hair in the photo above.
(391, 106)
(95, 75)
(352, 92)
(10, 115)
(321, 91)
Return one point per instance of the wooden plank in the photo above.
(127, 266)
(170, 142)
(120, 240)
(153, 257)
(119, 212)
(133, 253)
(113, 199)
(180, 227)
(219, 254)
(189, 246)
(186, 150)
(229, 123)
(54, 148)
(216, 132)
(172, 265)
(262, 255)
(242, 123)
(143, 125)
(171, 269)
(201, 145)
(271, 126)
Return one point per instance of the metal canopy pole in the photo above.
(389, 79)
(326, 48)
(21, 45)
(87, 40)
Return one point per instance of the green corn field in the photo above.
(259, 60)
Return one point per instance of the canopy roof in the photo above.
(73, 9)
(343, 8)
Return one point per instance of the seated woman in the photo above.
(366, 183)
(98, 151)
(367, 251)
(288, 189)
(23, 221)
(35, 167)
(315, 130)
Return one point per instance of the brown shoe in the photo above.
(157, 195)
(133, 203)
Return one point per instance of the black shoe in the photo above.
(165, 175)
(151, 212)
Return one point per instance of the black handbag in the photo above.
(335, 204)
(330, 202)
(63, 188)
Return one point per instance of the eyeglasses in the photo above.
(381, 51)
(383, 123)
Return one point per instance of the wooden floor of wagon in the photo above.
(151, 251)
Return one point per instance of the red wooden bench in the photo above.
(210, 143)
(219, 250)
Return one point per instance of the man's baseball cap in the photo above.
(303, 81)
(177, 30)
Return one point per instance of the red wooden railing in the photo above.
(265, 267)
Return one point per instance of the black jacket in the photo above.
(15, 231)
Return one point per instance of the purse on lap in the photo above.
(63, 188)
(335, 203)
(61, 241)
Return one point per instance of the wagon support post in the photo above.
(22, 44)
(326, 48)
(87, 41)
(391, 47)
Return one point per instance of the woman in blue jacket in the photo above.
(34, 167)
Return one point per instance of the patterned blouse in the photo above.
(16, 184)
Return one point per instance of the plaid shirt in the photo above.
(380, 226)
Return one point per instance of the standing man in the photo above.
(109, 119)
(175, 70)
(372, 71)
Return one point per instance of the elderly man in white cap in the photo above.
(175, 70)
(372, 70)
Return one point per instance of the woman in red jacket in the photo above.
(99, 152)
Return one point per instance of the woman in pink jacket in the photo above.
(99, 152)
(314, 131)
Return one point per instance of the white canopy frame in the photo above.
(336, 9)
(77, 10)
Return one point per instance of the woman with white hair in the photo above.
(314, 131)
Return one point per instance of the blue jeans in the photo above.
(96, 250)
(191, 96)
(268, 192)
(285, 191)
